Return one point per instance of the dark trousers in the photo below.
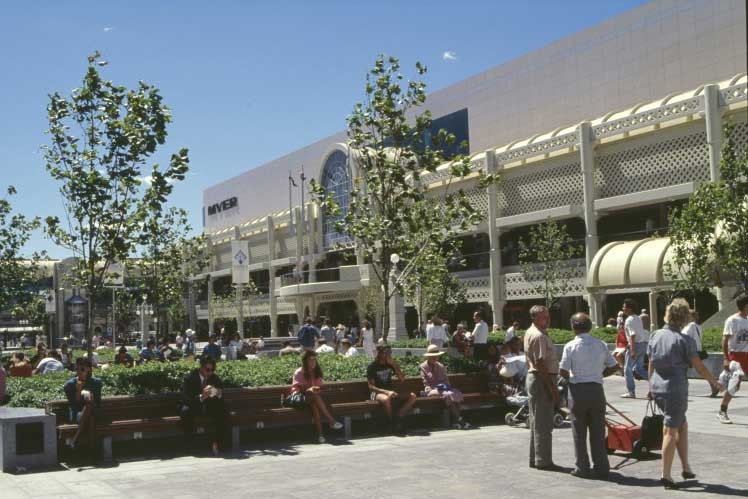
(212, 408)
(588, 414)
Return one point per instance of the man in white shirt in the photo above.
(346, 350)
(50, 363)
(479, 336)
(638, 339)
(436, 334)
(734, 348)
(323, 347)
(585, 361)
(511, 332)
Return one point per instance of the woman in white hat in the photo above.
(436, 383)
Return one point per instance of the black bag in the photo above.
(651, 435)
(296, 400)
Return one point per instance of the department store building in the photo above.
(604, 130)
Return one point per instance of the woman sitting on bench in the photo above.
(83, 392)
(305, 391)
(436, 383)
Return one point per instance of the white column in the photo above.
(592, 242)
(397, 329)
(239, 293)
(653, 317)
(713, 119)
(724, 296)
(497, 288)
(299, 264)
(311, 215)
(272, 300)
(210, 305)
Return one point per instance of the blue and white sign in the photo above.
(240, 262)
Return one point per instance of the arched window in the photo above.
(337, 181)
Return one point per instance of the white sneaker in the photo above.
(321, 439)
(723, 418)
(628, 395)
(337, 425)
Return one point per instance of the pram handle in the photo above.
(620, 414)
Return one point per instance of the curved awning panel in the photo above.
(623, 264)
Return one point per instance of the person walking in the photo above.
(585, 361)
(542, 363)
(367, 340)
(671, 353)
(735, 349)
(637, 339)
(308, 335)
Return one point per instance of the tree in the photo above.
(391, 211)
(544, 259)
(16, 273)
(709, 233)
(431, 286)
(102, 135)
(168, 258)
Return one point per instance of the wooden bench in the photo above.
(135, 417)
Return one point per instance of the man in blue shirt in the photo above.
(149, 352)
(211, 349)
(308, 335)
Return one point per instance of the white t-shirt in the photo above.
(736, 327)
(179, 340)
(509, 334)
(436, 333)
(693, 330)
(634, 328)
(480, 333)
(49, 365)
(585, 357)
(325, 349)
(351, 352)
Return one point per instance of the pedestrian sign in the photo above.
(240, 262)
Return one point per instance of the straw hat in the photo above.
(340, 326)
(433, 351)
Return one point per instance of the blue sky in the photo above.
(247, 81)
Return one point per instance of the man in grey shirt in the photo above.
(585, 361)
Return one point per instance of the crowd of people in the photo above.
(661, 357)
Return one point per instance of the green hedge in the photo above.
(711, 338)
(156, 377)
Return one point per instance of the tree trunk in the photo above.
(385, 311)
(89, 325)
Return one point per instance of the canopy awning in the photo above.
(631, 264)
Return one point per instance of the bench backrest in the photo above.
(120, 408)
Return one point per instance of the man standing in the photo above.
(734, 348)
(379, 375)
(479, 336)
(328, 333)
(585, 361)
(308, 335)
(542, 364)
(638, 339)
(211, 349)
(202, 394)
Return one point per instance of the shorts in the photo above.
(74, 417)
(741, 358)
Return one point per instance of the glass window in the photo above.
(336, 180)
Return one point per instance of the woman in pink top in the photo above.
(436, 383)
(305, 392)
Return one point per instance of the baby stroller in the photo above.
(516, 397)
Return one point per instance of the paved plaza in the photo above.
(490, 461)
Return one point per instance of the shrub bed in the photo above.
(711, 338)
(157, 377)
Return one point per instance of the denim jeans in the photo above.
(635, 363)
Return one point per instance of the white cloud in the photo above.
(148, 179)
(450, 56)
(107, 29)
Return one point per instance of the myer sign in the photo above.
(224, 205)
